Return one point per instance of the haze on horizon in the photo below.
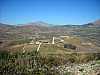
(50, 11)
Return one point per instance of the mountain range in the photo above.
(43, 24)
(9, 33)
(6, 30)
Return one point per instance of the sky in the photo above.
(50, 11)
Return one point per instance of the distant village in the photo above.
(37, 40)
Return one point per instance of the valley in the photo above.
(40, 49)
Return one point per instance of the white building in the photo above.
(37, 42)
(86, 43)
(64, 36)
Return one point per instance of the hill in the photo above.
(89, 31)
(19, 44)
(97, 22)
(93, 24)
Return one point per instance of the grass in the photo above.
(73, 40)
(33, 63)
(98, 61)
(52, 49)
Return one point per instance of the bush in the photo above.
(32, 63)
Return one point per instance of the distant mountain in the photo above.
(97, 22)
(33, 26)
(91, 24)
(6, 25)
(26, 30)
(37, 23)
(91, 32)
(94, 24)
(13, 32)
(37, 26)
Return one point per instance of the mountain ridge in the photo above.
(41, 23)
